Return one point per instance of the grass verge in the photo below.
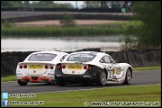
(59, 31)
(13, 77)
(8, 78)
(146, 68)
(147, 95)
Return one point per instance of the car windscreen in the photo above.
(81, 57)
(42, 57)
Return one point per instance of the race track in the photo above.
(140, 78)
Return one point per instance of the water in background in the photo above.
(60, 43)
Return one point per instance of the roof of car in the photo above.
(91, 52)
(53, 52)
(99, 55)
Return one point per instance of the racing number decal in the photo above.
(110, 74)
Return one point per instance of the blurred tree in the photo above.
(103, 4)
(18, 4)
(63, 5)
(45, 4)
(93, 4)
(11, 4)
(6, 4)
(67, 21)
(149, 33)
(26, 4)
(35, 4)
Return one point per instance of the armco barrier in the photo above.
(65, 9)
(137, 58)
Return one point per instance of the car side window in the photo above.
(63, 58)
(102, 60)
(105, 59)
(112, 60)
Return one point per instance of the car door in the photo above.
(109, 65)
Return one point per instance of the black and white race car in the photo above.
(91, 67)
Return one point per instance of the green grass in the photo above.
(146, 68)
(110, 28)
(145, 93)
(13, 78)
(58, 31)
(8, 78)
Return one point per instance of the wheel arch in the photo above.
(131, 71)
(104, 70)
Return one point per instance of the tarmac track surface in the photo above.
(139, 78)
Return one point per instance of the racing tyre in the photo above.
(102, 79)
(53, 82)
(61, 82)
(22, 83)
(128, 77)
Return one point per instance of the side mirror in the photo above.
(113, 62)
(117, 61)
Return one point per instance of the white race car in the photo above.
(39, 67)
(91, 67)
